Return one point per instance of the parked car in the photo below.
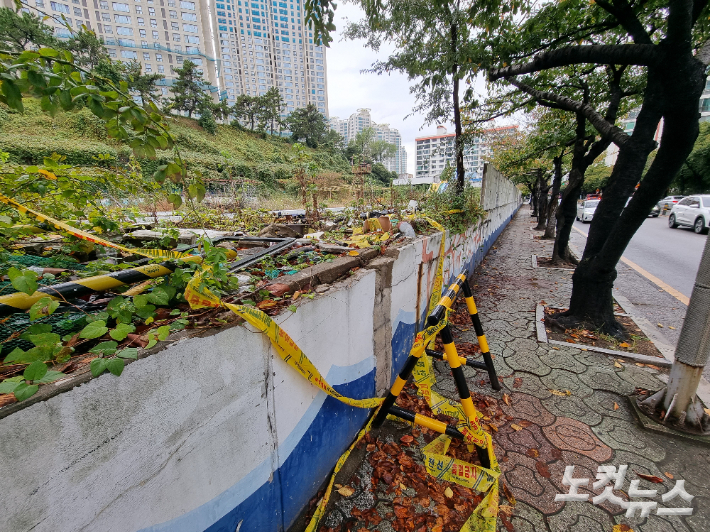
(693, 211)
(654, 212)
(585, 210)
(669, 201)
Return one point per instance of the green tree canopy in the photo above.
(21, 31)
(188, 92)
(309, 124)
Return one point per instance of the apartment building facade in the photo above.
(242, 47)
(361, 119)
(266, 43)
(434, 153)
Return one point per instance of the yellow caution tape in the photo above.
(151, 253)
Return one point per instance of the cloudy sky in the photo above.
(386, 96)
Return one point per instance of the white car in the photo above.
(585, 210)
(693, 211)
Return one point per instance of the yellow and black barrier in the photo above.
(440, 310)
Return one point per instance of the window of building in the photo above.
(189, 16)
(161, 69)
(179, 59)
(142, 33)
(159, 58)
(122, 30)
(173, 14)
(155, 35)
(77, 12)
(59, 8)
(175, 26)
(188, 5)
(108, 29)
(122, 19)
(129, 54)
(189, 28)
(106, 17)
(139, 10)
(153, 23)
(111, 52)
(148, 68)
(192, 39)
(103, 5)
(151, 11)
(141, 21)
(146, 56)
(120, 7)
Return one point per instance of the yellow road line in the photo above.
(655, 280)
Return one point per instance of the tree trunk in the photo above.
(458, 145)
(673, 92)
(534, 197)
(555, 190)
(542, 201)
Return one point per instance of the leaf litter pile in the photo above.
(637, 341)
(392, 486)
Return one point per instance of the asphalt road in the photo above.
(672, 255)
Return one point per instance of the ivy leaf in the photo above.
(45, 339)
(140, 300)
(23, 280)
(176, 200)
(292, 308)
(129, 352)
(44, 307)
(121, 331)
(37, 328)
(25, 391)
(8, 387)
(161, 295)
(98, 366)
(52, 376)
(163, 332)
(35, 371)
(147, 312)
(105, 348)
(14, 356)
(115, 366)
(95, 329)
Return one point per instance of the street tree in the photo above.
(21, 31)
(694, 175)
(669, 44)
(309, 124)
(188, 93)
(437, 46)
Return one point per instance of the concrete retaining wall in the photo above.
(217, 433)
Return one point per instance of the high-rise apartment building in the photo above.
(265, 43)
(435, 152)
(242, 47)
(362, 119)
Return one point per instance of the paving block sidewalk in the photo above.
(540, 433)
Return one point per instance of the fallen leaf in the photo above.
(650, 478)
(617, 365)
(296, 295)
(533, 453)
(267, 303)
(669, 475)
(278, 289)
(402, 486)
(556, 453)
(562, 393)
(515, 427)
(505, 509)
(671, 327)
(616, 406)
(338, 486)
(449, 493)
(640, 365)
(506, 399)
(659, 325)
(346, 491)
(622, 528)
(624, 344)
(353, 253)
(707, 411)
(406, 439)
(517, 382)
(508, 494)
(371, 447)
(542, 469)
(557, 348)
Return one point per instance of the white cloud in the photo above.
(387, 96)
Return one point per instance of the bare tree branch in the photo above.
(605, 128)
(615, 54)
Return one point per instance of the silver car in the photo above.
(693, 211)
(585, 210)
